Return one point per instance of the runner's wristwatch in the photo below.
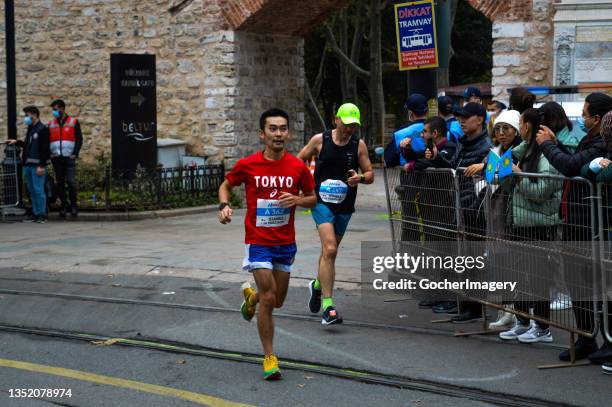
(223, 205)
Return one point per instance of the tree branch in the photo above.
(316, 89)
(357, 38)
(313, 107)
(342, 56)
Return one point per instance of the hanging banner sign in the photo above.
(415, 25)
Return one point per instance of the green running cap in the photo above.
(349, 114)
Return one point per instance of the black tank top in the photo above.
(332, 166)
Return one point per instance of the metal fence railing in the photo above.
(147, 189)
(547, 233)
(9, 177)
(604, 215)
(100, 188)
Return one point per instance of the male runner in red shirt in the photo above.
(273, 179)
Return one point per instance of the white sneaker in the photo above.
(536, 334)
(514, 332)
(561, 302)
(504, 320)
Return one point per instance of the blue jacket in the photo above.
(412, 131)
(454, 130)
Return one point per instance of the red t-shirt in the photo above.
(266, 223)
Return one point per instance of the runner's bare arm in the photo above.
(365, 164)
(225, 193)
(307, 200)
(312, 148)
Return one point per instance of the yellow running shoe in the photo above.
(247, 309)
(271, 370)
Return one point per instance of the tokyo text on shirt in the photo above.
(266, 223)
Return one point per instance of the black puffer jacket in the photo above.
(575, 206)
(472, 151)
(469, 152)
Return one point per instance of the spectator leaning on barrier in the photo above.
(408, 138)
(534, 216)
(556, 119)
(435, 206)
(521, 99)
(575, 214)
(35, 156)
(434, 134)
(445, 109)
(600, 170)
(471, 149)
(416, 104)
(507, 131)
(475, 145)
(66, 141)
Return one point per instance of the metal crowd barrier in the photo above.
(9, 179)
(529, 237)
(604, 214)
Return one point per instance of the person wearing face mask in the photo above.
(66, 140)
(599, 170)
(35, 156)
(575, 214)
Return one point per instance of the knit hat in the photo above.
(510, 117)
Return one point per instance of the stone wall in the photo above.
(212, 83)
(270, 73)
(522, 46)
(583, 42)
(63, 51)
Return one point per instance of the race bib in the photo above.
(270, 214)
(333, 191)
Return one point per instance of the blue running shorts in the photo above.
(269, 257)
(322, 214)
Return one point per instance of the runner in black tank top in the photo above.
(333, 165)
(340, 157)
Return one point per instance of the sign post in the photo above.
(415, 25)
(133, 111)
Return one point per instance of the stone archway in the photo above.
(274, 17)
(504, 10)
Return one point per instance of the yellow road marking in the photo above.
(198, 398)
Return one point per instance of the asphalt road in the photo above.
(175, 282)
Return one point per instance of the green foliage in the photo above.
(472, 62)
(136, 191)
(472, 43)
